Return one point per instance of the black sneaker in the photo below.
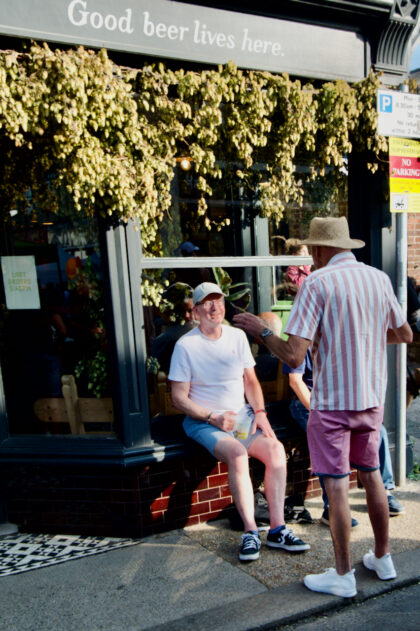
(261, 512)
(286, 540)
(395, 508)
(250, 547)
(295, 502)
(297, 516)
(325, 519)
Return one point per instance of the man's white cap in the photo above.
(205, 289)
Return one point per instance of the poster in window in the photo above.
(20, 282)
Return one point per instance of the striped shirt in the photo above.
(345, 309)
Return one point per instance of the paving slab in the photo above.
(164, 578)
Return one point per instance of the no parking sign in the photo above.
(404, 175)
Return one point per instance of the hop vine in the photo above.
(110, 136)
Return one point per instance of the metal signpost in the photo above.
(399, 118)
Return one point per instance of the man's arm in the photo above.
(300, 388)
(180, 398)
(254, 396)
(402, 335)
(291, 352)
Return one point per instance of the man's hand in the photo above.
(291, 351)
(225, 421)
(261, 422)
(250, 323)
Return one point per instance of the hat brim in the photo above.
(206, 294)
(345, 244)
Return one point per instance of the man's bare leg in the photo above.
(271, 453)
(235, 456)
(340, 521)
(378, 510)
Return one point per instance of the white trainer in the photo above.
(384, 567)
(332, 583)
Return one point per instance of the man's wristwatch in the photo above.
(265, 333)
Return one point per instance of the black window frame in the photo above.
(133, 442)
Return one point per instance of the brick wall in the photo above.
(299, 475)
(413, 230)
(137, 501)
(131, 502)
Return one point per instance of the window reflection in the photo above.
(54, 358)
(238, 230)
(175, 317)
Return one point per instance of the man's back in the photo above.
(346, 308)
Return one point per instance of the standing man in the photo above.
(347, 312)
(212, 368)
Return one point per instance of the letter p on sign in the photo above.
(385, 103)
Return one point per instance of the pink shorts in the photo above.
(339, 440)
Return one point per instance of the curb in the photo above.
(292, 603)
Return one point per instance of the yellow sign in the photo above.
(404, 175)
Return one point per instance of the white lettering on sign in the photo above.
(79, 16)
(162, 30)
(263, 46)
(203, 36)
(406, 173)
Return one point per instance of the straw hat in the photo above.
(332, 232)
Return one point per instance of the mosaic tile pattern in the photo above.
(23, 552)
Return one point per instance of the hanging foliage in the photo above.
(73, 120)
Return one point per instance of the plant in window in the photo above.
(174, 301)
(92, 367)
(240, 298)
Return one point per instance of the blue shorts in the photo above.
(209, 435)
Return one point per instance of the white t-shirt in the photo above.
(214, 368)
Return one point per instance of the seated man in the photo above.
(212, 368)
(300, 380)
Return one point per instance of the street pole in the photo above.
(401, 354)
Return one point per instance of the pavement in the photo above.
(191, 579)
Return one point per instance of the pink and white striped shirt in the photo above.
(346, 308)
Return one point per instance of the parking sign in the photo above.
(385, 103)
(398, 114)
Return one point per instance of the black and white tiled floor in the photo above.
(23, 552)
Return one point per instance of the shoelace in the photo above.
(288, 534)
(249, 541)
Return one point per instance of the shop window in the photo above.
(54, 349)
(176, 317)
(240, 248)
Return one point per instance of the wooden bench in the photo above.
(160, 399)
(79, 412)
